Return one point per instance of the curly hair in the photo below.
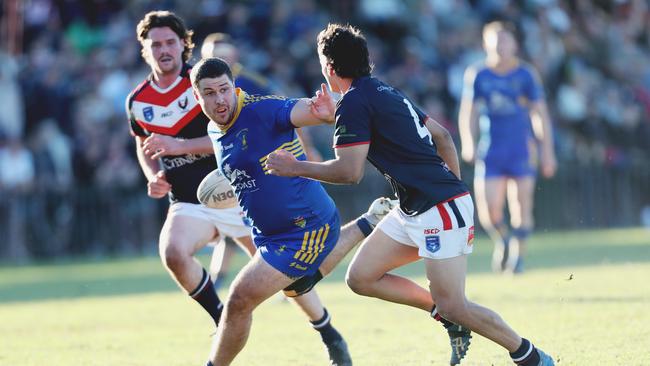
(345, 48)
(164, 18)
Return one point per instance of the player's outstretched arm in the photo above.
(156, 146)
(445, 145)
(347, 168)
(317, 110)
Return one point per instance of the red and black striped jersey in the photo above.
(173, 111)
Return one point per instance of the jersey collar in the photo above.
(241, 95)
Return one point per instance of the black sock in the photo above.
(324, 326)
(209, 363)
(445, 323)
(205, 295)
(526, 354)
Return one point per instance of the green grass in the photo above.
(128, 312)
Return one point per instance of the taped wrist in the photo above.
(364, 225)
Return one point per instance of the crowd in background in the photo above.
(63, 124)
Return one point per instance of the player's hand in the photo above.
(378, 209)
(548, 165)
(156, 146)
(322, 105)
(281, 163)
(158, 187)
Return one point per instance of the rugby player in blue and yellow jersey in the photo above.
(509, 93)
(434, 220)
(295, 223)
(175, 154)
(221, 45)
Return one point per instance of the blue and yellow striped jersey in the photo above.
(276, 205)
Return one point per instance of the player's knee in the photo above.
(303, 285)
(239, 302)
(174, 256)
(496, 218)
(452, 309)
(357, 283)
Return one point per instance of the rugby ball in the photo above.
(215, 191)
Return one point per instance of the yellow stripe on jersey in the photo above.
(293, 147)
(304, 245)
(310, 247)
(313, 243)
(256, 98)
(322, 244)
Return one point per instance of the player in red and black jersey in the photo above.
(175, 154)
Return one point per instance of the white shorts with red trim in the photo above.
(444, 231)
(229, 221)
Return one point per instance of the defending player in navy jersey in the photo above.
(169, 126)
(509, 93)
(434, 220)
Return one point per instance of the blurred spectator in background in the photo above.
(16, 183)
(12, 113)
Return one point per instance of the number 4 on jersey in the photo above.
(422, 130)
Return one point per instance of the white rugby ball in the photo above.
(215, 191)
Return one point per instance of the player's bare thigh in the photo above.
(246, 243)
(378, 255)
(490, 194)
(185, 234)
(447, 279)
(256, 282)
(520, 201)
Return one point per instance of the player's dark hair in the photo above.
(346, 50)
(164, 18)
(211, 67)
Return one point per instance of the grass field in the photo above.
(585, 298)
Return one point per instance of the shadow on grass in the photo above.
(77, 279)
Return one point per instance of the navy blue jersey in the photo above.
(276, 205)
(506, 102)
(401, 148)
(173, 111)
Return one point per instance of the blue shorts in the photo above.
(512, 162)
(300, 253)
(509, 168)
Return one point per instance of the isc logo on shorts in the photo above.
(431, 231)
(432, 243)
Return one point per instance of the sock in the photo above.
(209, 363)
(522, 233)
(526, 354)
(324, 326)
(205, 295)
(445, 323)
